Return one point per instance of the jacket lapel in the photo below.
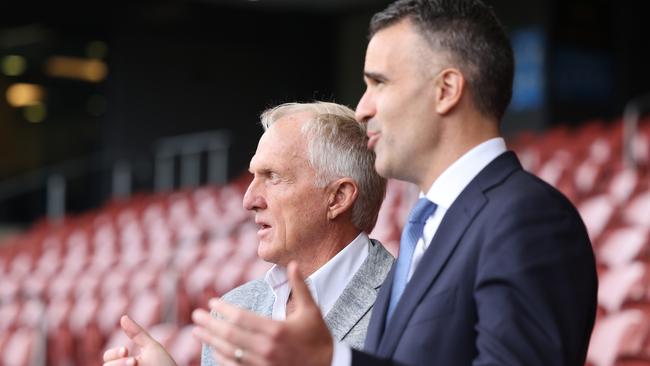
(359, 295)
(265, 307)
(378, 317)
(454, 224)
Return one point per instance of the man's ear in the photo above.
(342, 195)
(450, 86)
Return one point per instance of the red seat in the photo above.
(624, 245)
(596, 213)
(185, 348)
(617, 335)
(638, 209)
(23, 347)
(146, 308)
(624, 284)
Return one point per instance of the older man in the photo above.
(495, 266)
(315, 195)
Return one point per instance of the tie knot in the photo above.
(423, 209)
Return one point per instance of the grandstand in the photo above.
(158, 256)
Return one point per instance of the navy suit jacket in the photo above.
(508, 279)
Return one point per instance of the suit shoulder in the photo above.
(524, 187)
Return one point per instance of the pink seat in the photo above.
(9, 315)
(164, 333)
(624, 245)
(616, 335)
(32, 314)
(638, 209)
(83, 312)
(112, 308)
(146, 308)
(22, 348)
(624, 284)
(596, 213)
(184, 348)
(623, 185)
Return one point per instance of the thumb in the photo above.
(299, 290)
(135, 332)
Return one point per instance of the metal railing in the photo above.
(181, 153)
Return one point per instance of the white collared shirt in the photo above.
(443, 192)
(448, 187)
(326, 284)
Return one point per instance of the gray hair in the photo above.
(337, 148)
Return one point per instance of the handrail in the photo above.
(37, 178)
(187, 148)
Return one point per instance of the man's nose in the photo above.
(365, 108)
(253, 199)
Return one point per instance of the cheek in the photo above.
(307, 210)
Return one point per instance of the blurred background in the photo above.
(126, 129)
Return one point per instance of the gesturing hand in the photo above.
(244, 338)
(151, 353)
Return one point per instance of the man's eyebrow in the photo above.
(374, 76)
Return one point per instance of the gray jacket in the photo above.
(347, 320)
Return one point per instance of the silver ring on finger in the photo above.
(239, 355)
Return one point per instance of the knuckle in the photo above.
(228, 332)
(276, 333)
(266, 352)
(236, 318)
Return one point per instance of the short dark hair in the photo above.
(473, 35)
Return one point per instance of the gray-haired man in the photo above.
(315, 194)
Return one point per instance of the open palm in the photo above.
(151, 353)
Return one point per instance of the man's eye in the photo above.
(274, 177)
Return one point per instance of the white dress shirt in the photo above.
(326, 284)
(443, 192)
(448, 187)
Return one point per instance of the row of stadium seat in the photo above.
(157, 256)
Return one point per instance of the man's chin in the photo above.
(266, 255)
(382, 169)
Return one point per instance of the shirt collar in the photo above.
(329, 281)
(457, 176)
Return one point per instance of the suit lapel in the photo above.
(265, 307)
(378, 317)
(359, 295)
(454, 224)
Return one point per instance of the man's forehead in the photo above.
(388, 47)
(292, 120)
(284, 141)
(399, 45)
(387, 37)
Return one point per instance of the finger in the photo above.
(224, 338)
(222, 329)
(215, 342)
(211, 303)
(227, 358)
(243, 319)
(134, 331)
(115, 353)
(299, 290)
(122, 362)
(223, 361)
